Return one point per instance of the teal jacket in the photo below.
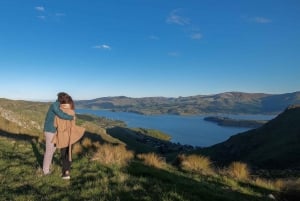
(49, 121)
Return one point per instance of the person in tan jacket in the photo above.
(67, 134)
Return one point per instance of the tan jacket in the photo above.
(68, 132)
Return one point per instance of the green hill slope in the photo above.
(274, 145)
(21, 155)
(21, 179)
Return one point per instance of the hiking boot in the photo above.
(66, 175)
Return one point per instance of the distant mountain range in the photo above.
(276, 144)
(228, 102)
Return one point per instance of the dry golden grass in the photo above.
(77, 149)
(269, 184)
(113, 155)
(196, 163)
(86, 143)
(238, 170)
(152, 159)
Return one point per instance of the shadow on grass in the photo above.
(18, 137)
(131, 139)
(33, 140)
(39, 147)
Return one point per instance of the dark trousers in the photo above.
(66, 164)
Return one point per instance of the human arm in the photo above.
(57, 111)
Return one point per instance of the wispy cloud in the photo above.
(262, 20)
(175, 18)
(103, 46)
(40, 8)
(42, 14)
(189, 28)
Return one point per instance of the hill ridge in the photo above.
(227, 102)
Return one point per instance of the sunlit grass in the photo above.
(152, 160)
(195, 163)
(239, 170)
(113, 155)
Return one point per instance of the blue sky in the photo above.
(145, 48)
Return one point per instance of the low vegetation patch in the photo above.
(153, 160)
(195, 163)
(239, 170)
(113, 155)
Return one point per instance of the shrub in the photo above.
(113, 155)
(152, 159)
(238, 170)
(195, 163)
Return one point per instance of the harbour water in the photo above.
(190, 130)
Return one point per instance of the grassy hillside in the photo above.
(274, 145)
(116, 167)
(21, 179)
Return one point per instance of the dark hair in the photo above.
(65, 98)
(61, 97)
(70, 101)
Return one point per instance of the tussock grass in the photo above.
(86, 143)
(195, 163)
(269, 184)
(113, 155)
(77, 149)
(238, 170)
(152, 159)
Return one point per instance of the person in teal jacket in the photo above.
(50, 130)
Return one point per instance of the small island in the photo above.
(225, 121)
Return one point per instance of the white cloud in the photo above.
(175, 18)
(262, 20)
(40, 8)
(107, 47)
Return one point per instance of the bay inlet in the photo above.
(186, 130)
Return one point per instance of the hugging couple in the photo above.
(61, 132)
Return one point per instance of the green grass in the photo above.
(153, 133)
(21, 179)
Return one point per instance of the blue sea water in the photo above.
(190, 130)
